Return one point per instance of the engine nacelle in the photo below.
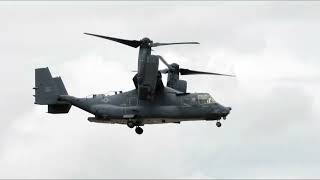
(146, 80)
(179, 85)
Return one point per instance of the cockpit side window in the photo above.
(189, 100)
(205, 99)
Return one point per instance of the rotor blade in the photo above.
(164, 44)
(192, 72)
(165, 62)
(164, 71)
(132, 43)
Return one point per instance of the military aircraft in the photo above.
(149, 103)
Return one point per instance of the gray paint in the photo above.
(167, 105)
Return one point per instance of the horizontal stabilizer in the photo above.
(59, 108)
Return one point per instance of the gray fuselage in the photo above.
(168, 107)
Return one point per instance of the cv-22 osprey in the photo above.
(149, 103)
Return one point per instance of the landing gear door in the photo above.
(131, 102)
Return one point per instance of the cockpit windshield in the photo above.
(205, 99)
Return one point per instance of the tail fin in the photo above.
(48, 90)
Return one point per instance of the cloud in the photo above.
(270, 46)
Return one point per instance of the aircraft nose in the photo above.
(225, 111)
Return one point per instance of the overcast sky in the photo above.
(273, 128)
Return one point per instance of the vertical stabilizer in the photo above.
(48, 90)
